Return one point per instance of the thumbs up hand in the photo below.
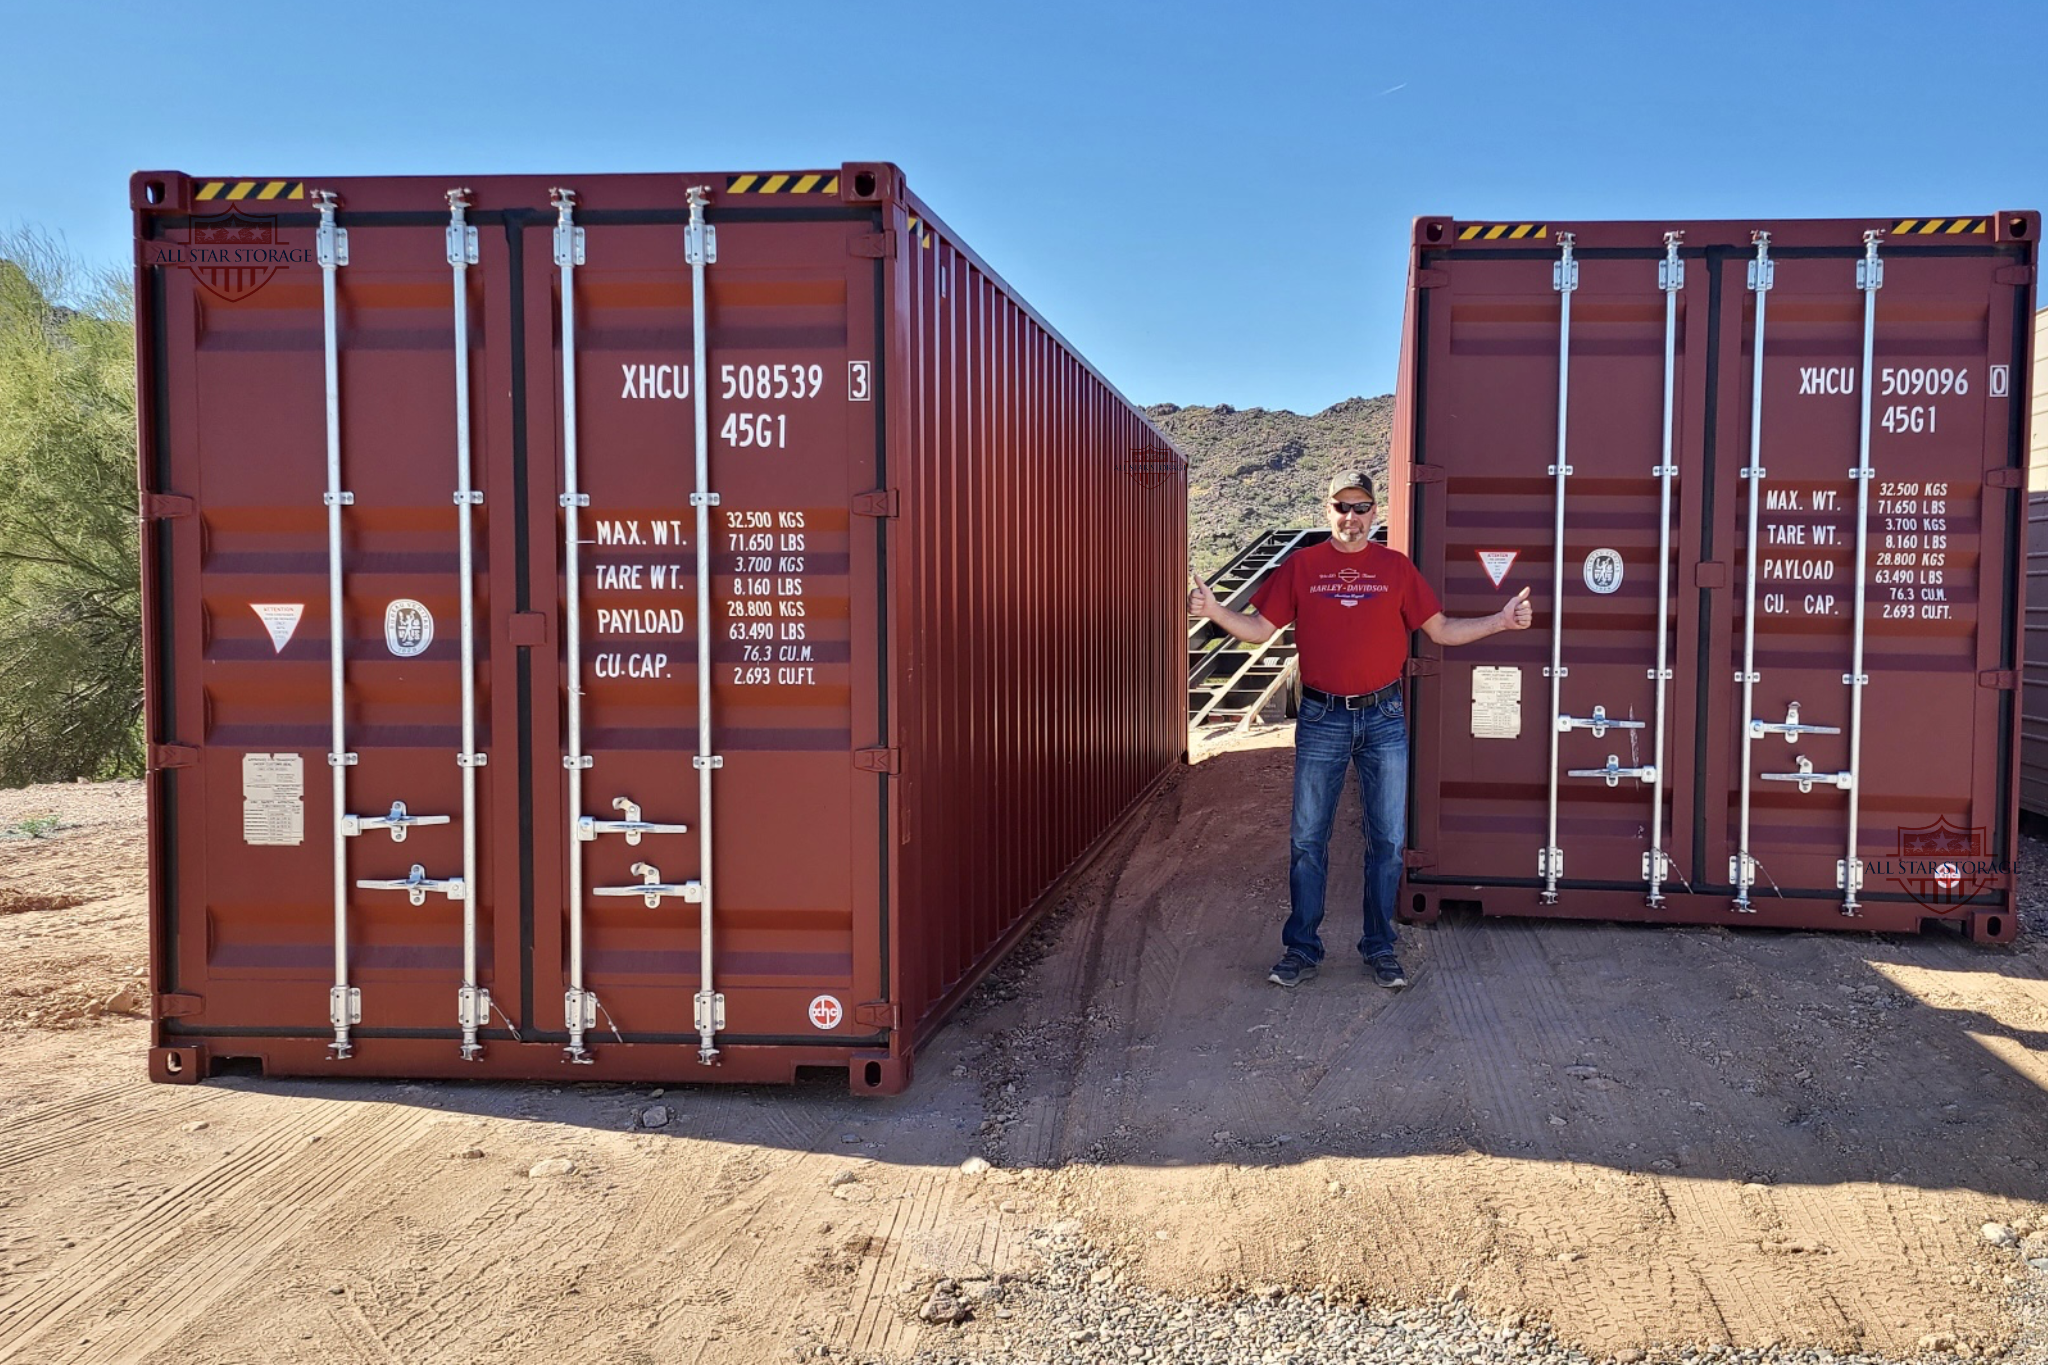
(1516, 615)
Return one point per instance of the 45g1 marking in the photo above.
(767, 430)
(1909, 419)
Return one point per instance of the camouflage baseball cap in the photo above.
(1352, 478)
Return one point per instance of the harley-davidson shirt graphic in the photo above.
(1352, 613)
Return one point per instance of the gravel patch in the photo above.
(2032, 881)
(1079, 1307)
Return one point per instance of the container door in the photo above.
(792, 419)
(1816, 739)
(1871, 757)
(1499, 336)
(320, 866)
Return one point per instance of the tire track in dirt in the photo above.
(871, 1325)
(1131, 986)
(357, 1331)
(421, 1305)
(746, 1211)
(230, 1219)
(1069, 981)
(84, 1120)
(1500, 1093)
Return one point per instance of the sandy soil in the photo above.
(1647, 1138)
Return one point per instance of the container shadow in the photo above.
(1135, 1028)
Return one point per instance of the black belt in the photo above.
(1356, 702)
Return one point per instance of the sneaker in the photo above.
(1387, 972)
(1291, 970)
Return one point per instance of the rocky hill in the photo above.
(1251, 468)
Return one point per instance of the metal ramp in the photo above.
(1230, 682)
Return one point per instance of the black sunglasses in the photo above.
(1359, 507)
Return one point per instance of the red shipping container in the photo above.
(1766, 480)
(735, 541)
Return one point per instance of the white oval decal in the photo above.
(826, 1012)
(408, 628)
(1603, 570)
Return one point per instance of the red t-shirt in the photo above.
(1351, 613)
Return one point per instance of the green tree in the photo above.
(70, 600)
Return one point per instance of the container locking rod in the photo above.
(1671, 280)
(579, 1005)
(344, 1001)
(472, 1002)
(1869, 279)
(700, 245)
(1762, 274)
(1564, 278)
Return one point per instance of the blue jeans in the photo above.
(1327, 739)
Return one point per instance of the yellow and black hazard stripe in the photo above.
(1940, 227)
(919, 231)
(783, 182)
(223, 190)
(1502, 232)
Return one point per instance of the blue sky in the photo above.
(1211, 201)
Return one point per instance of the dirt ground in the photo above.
(1647, 1138)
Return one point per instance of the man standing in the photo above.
(1352, 604)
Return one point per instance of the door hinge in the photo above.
(1432, 279)
(163, 756)
(526, 629)
(2013, 274)
(1423, 666)
(167, 505)
(1418, 857)
(1999, 679)
(877, 760)
(1711, 573)
(873, 246)
(178, 1006)
(878, 502)
(879, 1014)
(2005, 476)
(1425, 473)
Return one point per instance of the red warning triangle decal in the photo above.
(1497, 563)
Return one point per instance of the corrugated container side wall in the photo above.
(2037, 445)
(1039, 603)
(2034, 684)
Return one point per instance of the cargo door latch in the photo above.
(166, 505)
(873, 246)
(879, 1014)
